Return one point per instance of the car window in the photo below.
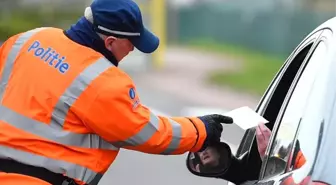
(275, 95)
(276, 92)
(292, 115)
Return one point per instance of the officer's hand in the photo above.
(214, 127)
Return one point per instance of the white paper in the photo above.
(246, 117)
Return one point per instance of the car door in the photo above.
(270, 104)
(295, 138)
(277, 89)
(272, 100)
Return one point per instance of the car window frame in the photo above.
(284, 108)
(324, 37)
(249, 135)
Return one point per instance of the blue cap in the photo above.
(123, 19)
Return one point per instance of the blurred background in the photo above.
(215, 55)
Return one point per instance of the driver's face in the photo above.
(209, 156)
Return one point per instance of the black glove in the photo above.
(214, 127)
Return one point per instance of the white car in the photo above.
(301, 97)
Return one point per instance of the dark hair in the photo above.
(196, 160)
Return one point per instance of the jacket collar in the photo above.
(83, 33)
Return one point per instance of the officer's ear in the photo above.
(109, 41)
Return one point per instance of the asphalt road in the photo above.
(132, 167)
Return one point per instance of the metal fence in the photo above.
(271, 29)
(271, 26)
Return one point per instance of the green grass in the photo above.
(17, 22)
(256, 73)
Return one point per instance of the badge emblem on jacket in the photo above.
(134, 98)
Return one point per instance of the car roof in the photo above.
(330, 23)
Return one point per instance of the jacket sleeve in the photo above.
(118, 116)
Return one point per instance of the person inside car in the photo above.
(263, 135)
(240, 172)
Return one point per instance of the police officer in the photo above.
(66, 108)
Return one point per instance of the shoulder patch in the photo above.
(134, 98)
(132, 93)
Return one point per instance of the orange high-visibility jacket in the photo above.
(68, 109)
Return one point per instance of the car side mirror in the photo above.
(211, 162)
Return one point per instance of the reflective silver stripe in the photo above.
(119, 32)
(39, 128)
(72, 93)
(149, 130)
(45, 131)
(144, 134)
(176, 138)
(58, 166)
(24, 37)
